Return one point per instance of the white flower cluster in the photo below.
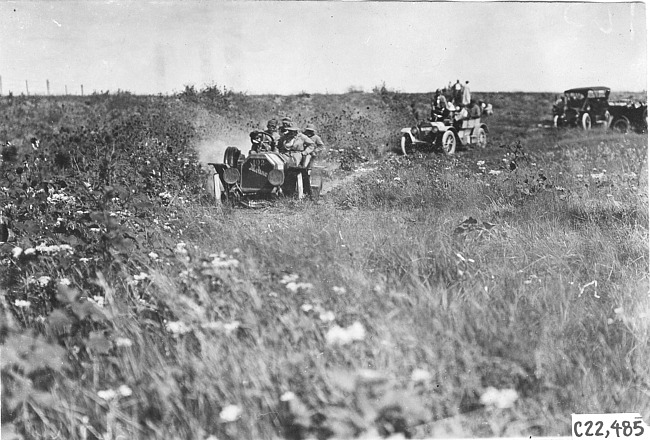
(230, 413)
(110, 394)
(43, 249)
(290, 283)
(181, 251)
(344, 336)
(499, 398)
(226, 327)
(222, 261)
(99, 301)
(22, 304)
(41, 281)
(60, 198)
(177, 328)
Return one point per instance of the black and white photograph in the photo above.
(315, 220)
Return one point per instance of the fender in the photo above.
(484, 127)
(410, 135)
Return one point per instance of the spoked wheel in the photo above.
(621, 125)
(482, 138)
(586, 122)
(449, 143)
(405, 143)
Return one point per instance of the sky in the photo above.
(287, 47)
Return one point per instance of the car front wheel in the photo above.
(482, 138)
(449, 143)
(621, 125)
(586, 122)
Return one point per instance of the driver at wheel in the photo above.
(295, 145)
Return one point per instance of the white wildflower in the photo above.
(286, 279)
(420, 375)
(15, 252)
(30, 251)
(327, 316)
(494, 172)
(65, 281)
(84, 259)
(124, 391)
(153, 255)
(140, 277)
(295, 287)
(22, 304)
(306, 308)
(177, 327)
(44, 280)
(98, 300)
(231, 326)
(618, 310)
(339, 290)
(343, 336)
(230, 413)
(123, 342)
(107, 394)
(499, 398)
(597, 175)
(287, 396)
(95, 230)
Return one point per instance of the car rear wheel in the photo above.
(586, 122)
(449, 143)
(482, 138)
(621, 125)
(405, 143)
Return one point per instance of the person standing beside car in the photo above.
(310, 132)
(295, 145)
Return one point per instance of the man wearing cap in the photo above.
(310, 132)
(294, 144)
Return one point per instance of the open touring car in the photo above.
(262, 176)
(445, 134)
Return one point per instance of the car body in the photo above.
(582, 107)
(262, 176)
(628, 115)
(445, 134)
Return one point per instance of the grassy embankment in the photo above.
(546, 294)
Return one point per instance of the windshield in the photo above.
(575, 99)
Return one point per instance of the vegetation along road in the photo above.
(493, 292)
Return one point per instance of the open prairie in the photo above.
(490, 293)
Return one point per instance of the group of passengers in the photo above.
(455, 103)
(287, 139)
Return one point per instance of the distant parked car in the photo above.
(582, 107)
(628, 115)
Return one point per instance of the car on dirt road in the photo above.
(255, 179)
(582, 107)
(444, 134)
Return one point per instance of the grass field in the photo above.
(491, 293)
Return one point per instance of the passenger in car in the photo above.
(295, 145)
